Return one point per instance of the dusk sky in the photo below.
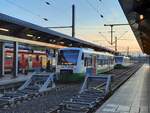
(88, 20)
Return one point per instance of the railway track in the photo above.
(98, 96)
(121, 77)
(49, 102)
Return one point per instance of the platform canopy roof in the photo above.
(138, 15)
(11, 26)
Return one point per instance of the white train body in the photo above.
(122, 60)
(78, 60)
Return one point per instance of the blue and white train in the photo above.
(122, 60)
(78, 60)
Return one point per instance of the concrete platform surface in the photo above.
(131, 97)
(7, 79)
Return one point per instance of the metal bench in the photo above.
(37, 84)
(93, 90)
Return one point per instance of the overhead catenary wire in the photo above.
(40, 17)
(94, 8)
(45, 19)
(33, 13)
(120, 37)
(47, 2)
(104, 38)
(26, 10)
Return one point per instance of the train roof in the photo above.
(122, 56)
(87, 50)
(10, 45)
(26, 51)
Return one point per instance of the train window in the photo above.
(107, 61)
(91, 62)
(104, 61)
(68, 57)
(85, 61)
(82, 56)
(112, 61)
(41, 58)
(88, 62)
(30, 58)
(99, 62)
(8, 57)
(19, 58)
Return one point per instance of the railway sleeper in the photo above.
(90, 96)
(4, 103)
(30, 93)
(83, 100)
(89, 99)
(79, 104)
(54, 109)
(95, 90)
(76, 107)
(15, 96)
(10, 101)
(71, 111)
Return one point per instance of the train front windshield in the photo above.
(68, 57)
(119, 59)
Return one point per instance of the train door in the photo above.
(88, 64)
(42, 63)
(94, 65)
(30, 62)
(8, 62)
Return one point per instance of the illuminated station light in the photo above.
(70, 45)
(3, 29)
(61, 42)
(29, 35)
(50, 40)
(141, 17)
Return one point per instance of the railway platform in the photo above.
(7, 79)
(131, 97)
(7, 83)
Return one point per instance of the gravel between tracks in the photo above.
(44, 103)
